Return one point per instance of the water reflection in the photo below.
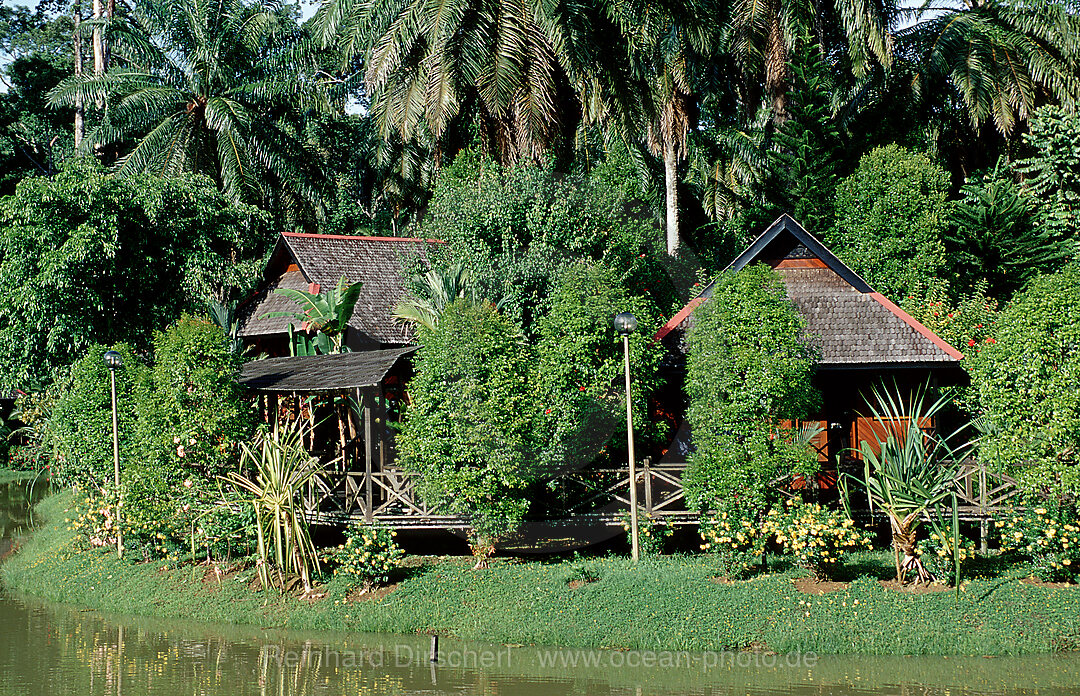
(57, 650)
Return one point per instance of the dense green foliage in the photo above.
(1027, 381)
(580, 366)
(470, 431)
(891, 216)
(180, 420)
(516, 228)
(1047, 534)
(86, 258)
(749, 368)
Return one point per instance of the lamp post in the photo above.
(626, 324)
(114, 360)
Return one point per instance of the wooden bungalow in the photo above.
(313, 261)
(351, 400)
(862, 336)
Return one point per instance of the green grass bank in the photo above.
(672, 603)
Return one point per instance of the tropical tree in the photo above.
(668, 42)
(282, 467)
(433, 291)
(209, 87)
(998, 59)
(764, 34)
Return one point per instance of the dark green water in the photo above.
(52, 649)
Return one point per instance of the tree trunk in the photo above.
(80, 126)
(98, 42)
(110, 10)
(671, 196)
(776, 67)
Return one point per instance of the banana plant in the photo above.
(326, 313)
(909, 473)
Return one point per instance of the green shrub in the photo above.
(1049, 535)
(817, 537)
(77, 430)
(735, 537)
(580, 370)
(1026, 379)
(517, 227)
(470, 432)
(891, 217)
(368, 556)
(748, 369)
(653, 532)
(936, 554)
(192, 412)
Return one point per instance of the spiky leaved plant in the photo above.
(282, 467)
(911, 472)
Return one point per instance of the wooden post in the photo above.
(647, 470)
(369, 462)
(983, 530)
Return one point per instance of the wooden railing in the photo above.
(599, 496)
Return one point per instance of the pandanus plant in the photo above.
(282, 467)
(909, 473)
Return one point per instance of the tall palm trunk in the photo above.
(671, 195)
(776, 67)
(98, 41)
(76, 38)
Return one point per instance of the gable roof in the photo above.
(849, 322)
(320, 261)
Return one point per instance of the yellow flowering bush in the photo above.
(736, 540)
(816, 536)
(653, 532)
(1047, 534)
(367, 557)
(94, 520)
(936, 554)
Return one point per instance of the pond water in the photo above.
(54, 649)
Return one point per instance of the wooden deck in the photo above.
(586, 497)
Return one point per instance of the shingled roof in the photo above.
(338, 372)
(850, 323)
(314, 261)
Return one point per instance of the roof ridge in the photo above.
(359, 237)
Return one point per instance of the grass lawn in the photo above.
(671, 602)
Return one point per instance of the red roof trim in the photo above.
(678, 318)
(918, 326)
(309, 235)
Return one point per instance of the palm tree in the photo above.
(667, 42)
(528, 72)
(206, 86)
(435, 290)
(1000, 59)
(764, 34)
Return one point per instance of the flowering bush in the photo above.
(815, 535)
(936, 554)
(94, 519)
(367, 557)
(1049, 536)
(735, 539)
(652, 532)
